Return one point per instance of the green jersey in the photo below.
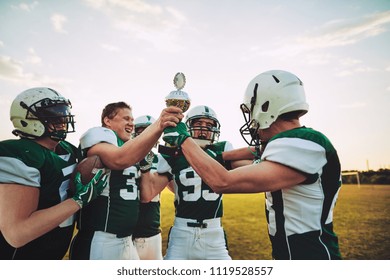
(194, 199)
(116, 209)
(25, 162)
(300, 218)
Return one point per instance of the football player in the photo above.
(299, 168)
(147, 234)
(36, 209)
(106, 225)
(197, 232)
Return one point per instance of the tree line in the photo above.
(379, 177)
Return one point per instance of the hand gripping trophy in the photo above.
(177, 98)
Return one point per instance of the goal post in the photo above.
(352, 173)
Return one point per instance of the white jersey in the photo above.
(304, 212)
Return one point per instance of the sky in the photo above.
(95, 52)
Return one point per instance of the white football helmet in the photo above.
(142, 122)
(38, 112)
(269, 95)
(203, 112)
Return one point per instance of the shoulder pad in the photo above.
(97, 135)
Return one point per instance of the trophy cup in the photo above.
(178, 97)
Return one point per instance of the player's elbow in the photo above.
(145, 197)
(13, 238)
(218, 184)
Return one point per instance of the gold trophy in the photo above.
(178, 97)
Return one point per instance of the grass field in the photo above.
(361, 220)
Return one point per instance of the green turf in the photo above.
(361, 220)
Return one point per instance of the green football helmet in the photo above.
(141, 123)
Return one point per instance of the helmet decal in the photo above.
(254, 97)
(268, 96)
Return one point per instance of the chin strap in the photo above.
(56, 135)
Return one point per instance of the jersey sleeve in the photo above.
(228, 146)
(15, 171)
(163, 167)
(300, 154)
(154, 163)
(97, 135)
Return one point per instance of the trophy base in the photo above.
(181, 103)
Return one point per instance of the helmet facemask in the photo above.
(55, 116)
(138, 130)
(203, 132)
(249, 131)
(140, 124)
(204, 135)
(268, 96)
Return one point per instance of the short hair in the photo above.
(294, 115)
(111, 110)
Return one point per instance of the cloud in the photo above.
(318, 58)
(335, 33)
(134, 6)
(110, 48)
(353, 70)
(58, 22)
(350, 61)
(347, 32)
(130, 15)
(26, 7)
(33, 58)
(13, 71)
(157, 24)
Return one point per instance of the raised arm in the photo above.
(265, 176)
(152, 183)
(134, 150)
(240, 157)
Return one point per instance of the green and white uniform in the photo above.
(197, 232)
(300, 218)
(107, 223)
(147, 234)
(25, 162)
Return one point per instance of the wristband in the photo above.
(79, 202)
